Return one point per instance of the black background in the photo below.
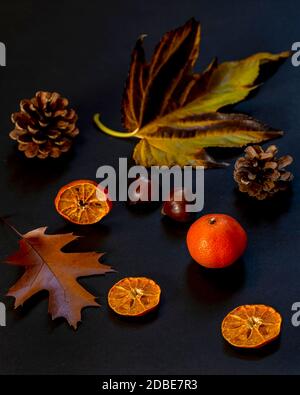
(81, 49)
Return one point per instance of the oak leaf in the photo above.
(173, 110)
(48, 268)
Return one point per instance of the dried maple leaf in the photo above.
(173, 111)
(48, 268)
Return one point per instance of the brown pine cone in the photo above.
(261, 174)
(44, 126)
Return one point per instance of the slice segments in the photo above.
(82, 202)
(134, 296)
(251, 326)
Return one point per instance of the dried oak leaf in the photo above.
(48, 268)
(173, 110)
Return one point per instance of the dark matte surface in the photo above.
(82, 50)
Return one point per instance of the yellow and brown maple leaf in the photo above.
(173, 111)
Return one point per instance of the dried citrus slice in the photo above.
(82, 202)
(251, 326)
(134, 296)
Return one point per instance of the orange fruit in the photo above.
(134, 296)
(216, 240)
(251, 326)
(82, 202)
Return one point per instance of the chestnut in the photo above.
(175, 206)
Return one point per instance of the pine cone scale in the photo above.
(271, 165)
(285, 161)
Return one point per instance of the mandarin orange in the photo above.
(216, 240)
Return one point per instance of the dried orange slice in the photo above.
(82, 202)
(251, 326)
(134, 296)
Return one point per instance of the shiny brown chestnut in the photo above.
(175, 207)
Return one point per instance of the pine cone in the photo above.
(261, 174)
(44, 126)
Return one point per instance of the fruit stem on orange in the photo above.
(111, 132)
(212, 220)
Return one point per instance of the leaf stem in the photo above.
(111, 132)
(2, 219)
